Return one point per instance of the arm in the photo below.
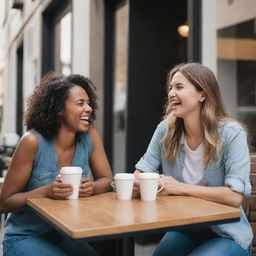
(236, 178)
(223, 195)
(99, 164)
(152, 158)
(13, 198)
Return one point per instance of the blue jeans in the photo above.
(201, 242)
(52, 243)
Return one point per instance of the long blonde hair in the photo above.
(212, 111)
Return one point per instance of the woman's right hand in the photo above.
(58, 190)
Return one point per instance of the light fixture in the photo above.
(183, 30)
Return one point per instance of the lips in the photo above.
(85, 119)
(175, 103)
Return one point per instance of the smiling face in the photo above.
(183, 97)
(77, 110)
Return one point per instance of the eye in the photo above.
(80, 103)
(179, 86)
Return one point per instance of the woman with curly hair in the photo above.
(59, 120)
(203, 153)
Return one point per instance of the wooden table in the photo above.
(103, 216)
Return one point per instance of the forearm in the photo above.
(102, 185)
(223, 195)
(17, 201)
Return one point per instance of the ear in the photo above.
(202, 98)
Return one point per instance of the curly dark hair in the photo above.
(45, 106)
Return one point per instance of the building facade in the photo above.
(126, 47)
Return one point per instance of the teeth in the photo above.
(85, 118)
(175, 102)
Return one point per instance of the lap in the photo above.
(32, 246)
(219, 246)
(188, 243)
(53, 243)
(175, 244)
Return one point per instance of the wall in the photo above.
(26, 25)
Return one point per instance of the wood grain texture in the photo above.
(105, 215)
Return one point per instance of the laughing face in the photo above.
(77, 110)
(183, 97)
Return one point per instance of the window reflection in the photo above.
(120, 87)
(63, 33)
(236, 48)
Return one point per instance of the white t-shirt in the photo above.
(193, 165)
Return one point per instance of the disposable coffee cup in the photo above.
(123, 185)
(149, 183)
(72, 175)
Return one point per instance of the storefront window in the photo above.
(63, 44)
(120, 87)
(236, 65)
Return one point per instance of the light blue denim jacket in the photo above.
(232, 170)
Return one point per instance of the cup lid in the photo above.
(124, 176)
(148, 175)
(71, 170)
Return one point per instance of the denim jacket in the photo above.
(232, 169)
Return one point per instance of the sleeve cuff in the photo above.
(144, 166)
(237, 184)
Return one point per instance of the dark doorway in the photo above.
(19, 95)
(153, 47)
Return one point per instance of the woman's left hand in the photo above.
(172, 186)
(86, 187)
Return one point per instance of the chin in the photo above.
(84, 129)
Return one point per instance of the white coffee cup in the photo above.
(123, 184)
(149, 186)
(72, 175)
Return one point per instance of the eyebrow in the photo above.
(171, 85)
(83, 100)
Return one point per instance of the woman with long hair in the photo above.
(60, 132)
(203, 153)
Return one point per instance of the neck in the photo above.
(193, 128)
(65, 139)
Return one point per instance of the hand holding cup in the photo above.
(86, 187)
(58, 190)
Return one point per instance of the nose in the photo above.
(87, 108)
(172, 93)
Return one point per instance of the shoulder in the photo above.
(28, 143)
(231, 128)
(93, 132)
(30, 139)
(162, 126)
(94, 135)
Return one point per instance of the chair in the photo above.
(249, 203)
(2, 220)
